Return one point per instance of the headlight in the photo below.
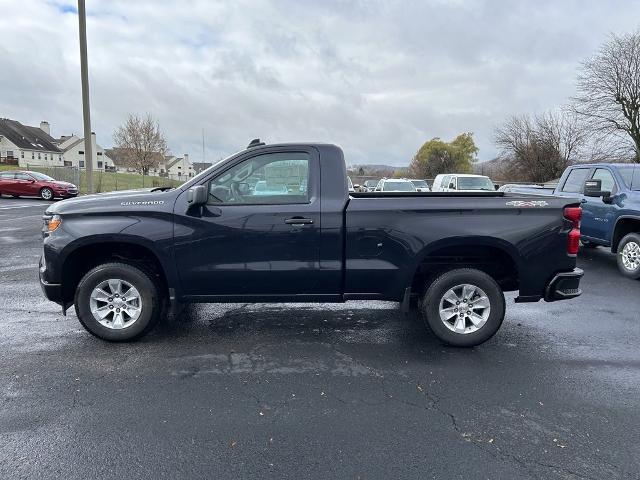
(51, 223)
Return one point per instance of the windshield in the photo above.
(420, 183)
(41, 176)
(631, 177)
(475, 183)
(398, 187)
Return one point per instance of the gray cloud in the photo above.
(377, 77)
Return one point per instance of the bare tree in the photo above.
(141, 142)
(539, 148)
(609, 93)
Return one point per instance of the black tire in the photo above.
(46, 193)
(588, 244)
(141, 280)
(430, 307)
(626, 240)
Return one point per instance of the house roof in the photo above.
(26, 137)
(173, 162)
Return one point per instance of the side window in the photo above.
(575, 181)
(608, 183)
(23, 176)
(445, 181)
(6, 176)
(272, 178)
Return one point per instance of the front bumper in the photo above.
(53, 291)
(564, 285)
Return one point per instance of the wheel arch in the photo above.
(625, 224)
(84, 254)
(496, 257)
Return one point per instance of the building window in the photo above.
(60, 157)
(99, 154)
(45, 156)
(38, 155)
(33, 155)
(22, 154)
(99, 164)
(81, 162)
(80, 152)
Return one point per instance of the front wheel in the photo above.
(463, 307)
(117, 302)
(629, 255)
(46, 193)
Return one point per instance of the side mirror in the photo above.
(197, 195)
(593, 188)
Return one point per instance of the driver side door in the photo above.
(259, 234)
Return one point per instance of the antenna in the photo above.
(255, 143)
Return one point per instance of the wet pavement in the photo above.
(316, 391)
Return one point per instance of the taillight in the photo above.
(573, 214)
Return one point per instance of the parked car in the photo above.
(395, 185)
(121, 258)
(462, 182)
(262, 188)
(524, 188)
(370, 185)
(34, 184)
(421, 185)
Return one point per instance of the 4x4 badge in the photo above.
(527, 203)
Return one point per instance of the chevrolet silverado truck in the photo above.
(610, 198)
(124, 259)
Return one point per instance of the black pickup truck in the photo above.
(276, 223)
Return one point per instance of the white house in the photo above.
(179, 168)
(74, 156)
(27, 146)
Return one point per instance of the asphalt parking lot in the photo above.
(316, 391)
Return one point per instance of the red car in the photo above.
(35, 184)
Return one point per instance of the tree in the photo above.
(141, 142)
(609, 91)
(539, 148)
(437, 156)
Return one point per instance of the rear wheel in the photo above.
(117, 302)
(629, 255)
(46, 193)
(463, 307)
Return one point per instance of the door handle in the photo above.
(298, 221)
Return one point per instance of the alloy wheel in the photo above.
(630, 256)
(464, 308)
(115, 304)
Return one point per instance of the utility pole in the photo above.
(86, 112)
(203, 146)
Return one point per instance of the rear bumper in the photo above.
(564, 285)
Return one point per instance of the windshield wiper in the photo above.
(161, 189)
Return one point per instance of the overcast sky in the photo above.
(378, 77)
